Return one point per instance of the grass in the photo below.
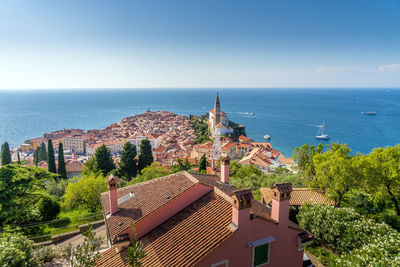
(66, 221)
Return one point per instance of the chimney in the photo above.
(225, 169)
(280, 202)
(241, 205)
(112, 182)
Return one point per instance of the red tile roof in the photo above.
(300, 196)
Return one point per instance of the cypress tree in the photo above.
(36, 156)
(61, 162)
(5, 154)
(203, 164)
(51, 162)
(19, 159)
(128, 162)
(104, 161)
(146, 155)
(42, 152)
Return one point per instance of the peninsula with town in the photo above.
(171, 137)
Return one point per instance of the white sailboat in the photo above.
(320, 134)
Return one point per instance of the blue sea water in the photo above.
(289, 116)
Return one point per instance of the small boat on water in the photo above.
(267, 137)
(368, 113)
(320, 134)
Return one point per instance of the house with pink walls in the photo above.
(191, 219)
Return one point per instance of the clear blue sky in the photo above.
(202, 43)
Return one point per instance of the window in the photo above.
(261, 254)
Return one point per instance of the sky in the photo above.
(47, 44)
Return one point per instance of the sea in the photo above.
(290, 116)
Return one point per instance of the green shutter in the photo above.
(261, 254)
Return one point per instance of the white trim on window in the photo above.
(226, 262)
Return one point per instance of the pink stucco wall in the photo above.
(113, 200)
(225, 173)
(283, 251)
(280, 211)
(168, 210)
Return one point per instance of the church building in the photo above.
(218, 122)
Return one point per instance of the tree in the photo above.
(181, 165)
(90, 166)
(128, 162)
(335, 171)
(18, 158)
(381, 169)
(104, 162)
(16, 250)
(36, 156)
(87, 253)
(42, 152)
(21, 187)
(5, 154)
(62, 171)
(303, 155)
(51, 162)
(151, 172)
(203, 164)
(84, 192)
(146, 155)
(48, 208)
(135, 251)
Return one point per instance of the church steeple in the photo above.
(217, 110)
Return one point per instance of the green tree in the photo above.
(62, 171)
(19, 159)
(90, 166)
(181, 166)
(48, 208)
(303, 155)
(135, 253)
(203, 164)
(42, 152)
(146, 155)
(381, 169)
(5, 154)
(151, 172)
(104, 161)
(335, 171)
(128, 162)
(36, 156)
(51, 162)
(21, 187)
(84, 192)
(16, 250)
(87, 253)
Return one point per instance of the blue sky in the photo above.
(199, 44)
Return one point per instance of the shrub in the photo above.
(48, 208)
(16, 250)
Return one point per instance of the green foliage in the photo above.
(19, 159)
(42, 152)
(87, 253)
(381, 172)
(90, 166)
(135, 251)
(146, 155)
(203, 164)
(20, 189)
(128, 163)
(62, 171)
(350, 235)
(181, 166)
(48, 208)
(104, 161)
(36, 156)
(200, 126)
(51, 162)
(5, 154)
(84, 192)
(16, 250)
(56, 187)
(151, 172)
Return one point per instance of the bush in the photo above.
(56, 188)
(16, 250)
(48, 208)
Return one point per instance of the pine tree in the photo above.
(203, 164)
(61, 162)
(19, 159)
(128, 162)
(146, 155)
(5, 154)
(42, 152)
(51, 162)
(104, 161)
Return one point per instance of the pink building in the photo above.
(191, 219)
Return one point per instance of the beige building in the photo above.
(75, 145)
